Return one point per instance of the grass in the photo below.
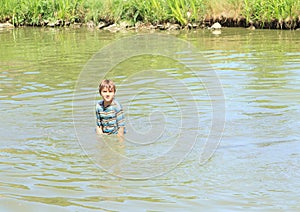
(224, 9)
(34, 12)
(283, 12)
(286, 13)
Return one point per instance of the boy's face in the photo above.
(107, 94)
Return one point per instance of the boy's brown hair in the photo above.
(109, 84)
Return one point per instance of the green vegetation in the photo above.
(280, 12)
(262, 13)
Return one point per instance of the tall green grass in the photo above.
(35, 12)
(217, 9)
(265, 11)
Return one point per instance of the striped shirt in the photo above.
(110, 118)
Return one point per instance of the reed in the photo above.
(266, 11)
(186, 11)
(150, 11)
(224, 9)
(94, 9)
(34, 12)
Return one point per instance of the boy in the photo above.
(109, 113)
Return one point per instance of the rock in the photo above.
(90, 24)
(76, 25)
(216, 25)
(168, 26)
(192, 26)
(124, 24)
(6, 25)
(146, 27)
(45, 23)
(51, 24)
(251, 27)
(102, 24)
(112, 28)
(161, 26)
(56, 23)
(174, 27)
(59, 22)
(138, 25)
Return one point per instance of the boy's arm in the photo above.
(121, 133)
(98, 122)
(120, 122)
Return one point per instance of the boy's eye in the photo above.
(106, 91)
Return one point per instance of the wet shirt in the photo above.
(110, 117)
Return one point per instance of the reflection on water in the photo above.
(255, 167)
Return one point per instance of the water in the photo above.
(48, 164)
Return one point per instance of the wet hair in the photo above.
(109, 84)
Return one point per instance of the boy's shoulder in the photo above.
(99, 104)
(117, 104)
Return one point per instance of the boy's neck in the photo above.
(107, 103)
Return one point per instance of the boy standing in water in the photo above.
(109, 112)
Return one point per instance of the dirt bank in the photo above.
(207, 23)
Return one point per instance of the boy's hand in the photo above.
(99, 130)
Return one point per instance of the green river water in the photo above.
(186, 95)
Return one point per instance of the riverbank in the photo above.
(151, 14)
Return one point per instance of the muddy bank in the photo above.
(288, 24)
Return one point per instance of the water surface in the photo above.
(256, 166)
